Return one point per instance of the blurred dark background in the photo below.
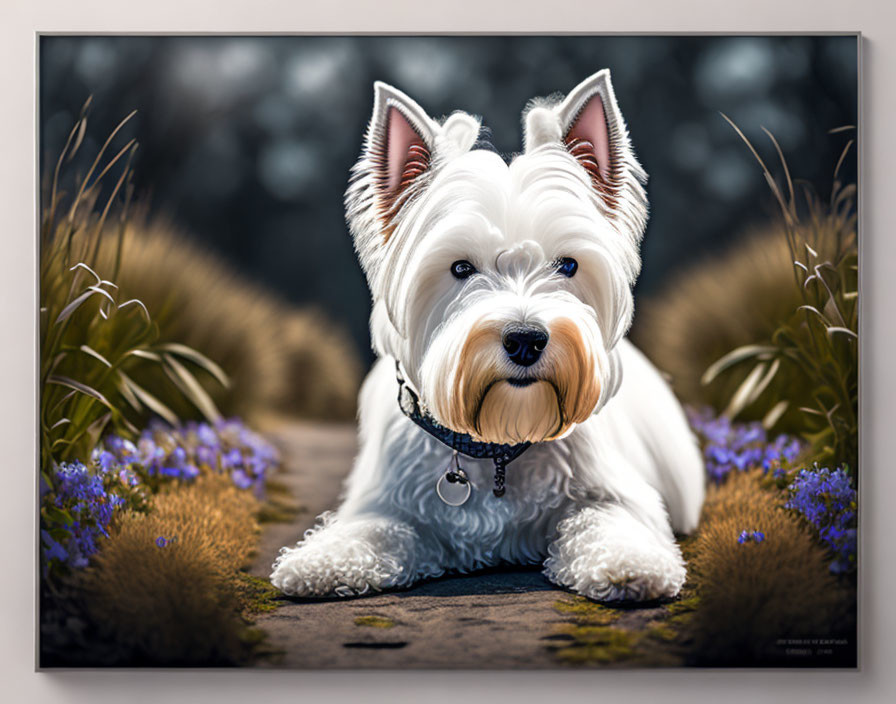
(246, 142)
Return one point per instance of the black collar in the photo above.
(501, 454)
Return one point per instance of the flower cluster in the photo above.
(747, 536)
(728, 446)
(78, 501)
(184, 452)
(827, 500)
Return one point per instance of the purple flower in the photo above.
(207, 437)
(750, 535)
(177, 465)
(731, 446)
(232, 459)
(44, 488)
(86, 498)
(827, 500)
(85, 509)
(105, 460)
(123, 449)
(241, 479)
(52, 549)
(181, 453)
(206, 456)
(128, 478)
(150, 455)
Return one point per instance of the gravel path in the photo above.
(498, 619)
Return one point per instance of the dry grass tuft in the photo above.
(279, 359)
(178, 604)
(753, 596)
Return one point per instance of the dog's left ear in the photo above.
(589, 124)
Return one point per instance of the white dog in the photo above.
(501, 295)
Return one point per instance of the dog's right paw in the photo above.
(305, 571)
(347, 559)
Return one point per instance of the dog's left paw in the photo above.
(620, 573)
(613, 558)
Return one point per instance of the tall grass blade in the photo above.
(735, 357)
(81, 388)
(73, 306)
(768, 174)
(193, 389)
(842, 157)
(742, 396)
(791, 203)
(765, 381)
(774, 414)
(832, 330)
(200, 359)
(96, 355)
(138, 303)
(151, 402)
(82, 265)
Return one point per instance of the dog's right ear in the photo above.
(403, 146)
(399, 144)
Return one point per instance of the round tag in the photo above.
(453, 487)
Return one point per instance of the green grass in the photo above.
(373, 621)
(599, 645)
(685, 605)
(587, 612)
(256, 595)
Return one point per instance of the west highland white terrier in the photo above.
(507, 419)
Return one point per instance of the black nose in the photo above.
(525, 345)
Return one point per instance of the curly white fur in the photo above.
(352, 558)
(606, 554)
(614, 469)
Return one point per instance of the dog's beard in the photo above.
(537, 404)
(512, 414)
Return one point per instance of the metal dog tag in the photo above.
(453, 487)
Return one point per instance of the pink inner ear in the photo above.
(400, 138)
(591, 126)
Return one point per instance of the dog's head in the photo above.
(502, 288)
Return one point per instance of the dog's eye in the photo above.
(462, 269)
(567, 266)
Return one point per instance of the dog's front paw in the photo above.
(308, 571)
(603, 563)
(619, 573)
(346, 559)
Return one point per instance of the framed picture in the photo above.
(602, 292)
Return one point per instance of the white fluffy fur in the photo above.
(598, 504)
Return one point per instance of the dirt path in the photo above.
(500, 619)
